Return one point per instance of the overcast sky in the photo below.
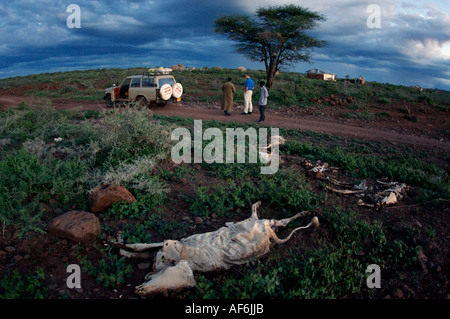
(411, 46)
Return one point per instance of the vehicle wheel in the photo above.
(109, 102)
(161, 103)
(142, 102)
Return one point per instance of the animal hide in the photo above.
(234, 244)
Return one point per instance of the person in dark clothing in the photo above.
(262, 101)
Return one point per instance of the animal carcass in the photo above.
(233, 244)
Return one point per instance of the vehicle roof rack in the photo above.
(159, 71)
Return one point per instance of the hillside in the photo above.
(51, 159)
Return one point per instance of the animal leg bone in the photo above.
(345, 191)
(286, 221)
(314, 222)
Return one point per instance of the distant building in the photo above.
(319, 74)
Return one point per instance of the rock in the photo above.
(17, 258)
(103, 198)
(3, 253)
(178, 67)
(75, 225)
(242, 69)
(213, 215)
(185, 218)
(198, 220)
(398, 293)
(10, 249)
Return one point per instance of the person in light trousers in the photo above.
(249, 86)
(262, 101)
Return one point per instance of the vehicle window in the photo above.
(126, 82)
(148, 82)
(135, 82)
(163, 81)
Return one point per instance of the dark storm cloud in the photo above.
(34, 37)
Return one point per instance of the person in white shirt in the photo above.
(262, 101)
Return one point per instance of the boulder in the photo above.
(178, 67)
(242, 69)
(102, 199)
(75, 225)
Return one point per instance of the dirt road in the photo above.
(301, 122)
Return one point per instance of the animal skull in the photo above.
(233, 244)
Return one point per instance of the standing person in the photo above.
(227, 100)
(262, 101)
(249, 86)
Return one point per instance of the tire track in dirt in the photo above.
(299, 123)
(306, 124)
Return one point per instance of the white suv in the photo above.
(155, 87)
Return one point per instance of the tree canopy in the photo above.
(275, 36)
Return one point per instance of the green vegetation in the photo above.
(331, 271)
(111, 270)
(290, 89)
(53, 159)
(27, 286)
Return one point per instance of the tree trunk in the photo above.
(270, 75)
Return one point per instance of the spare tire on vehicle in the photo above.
(177, 90)
(165, 92)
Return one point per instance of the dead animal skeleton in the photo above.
(233, 244)
(380, 195)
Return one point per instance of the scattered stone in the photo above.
(17, 258)
(75, 225)
(398, 293)
(198, 220)
(185, 218)
(143, 266)
(361, 253)
(103, 198)
(387, 297)
(3, 253)
(10, 249)
(213, 215)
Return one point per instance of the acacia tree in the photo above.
(276, 36)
